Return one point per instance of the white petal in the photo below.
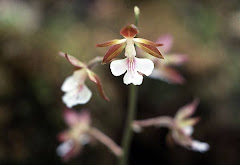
(65, 148)
(118, 67)
(200, 146)
(75, 80)
(144, 66)
(77, 96)
(84, 139)
(69, 84)
(188, 130)
(134, 78)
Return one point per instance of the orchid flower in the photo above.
(80, 133)
(184, 128)
(135, 67)
(181, 127)
(164, 69)
(74, 86)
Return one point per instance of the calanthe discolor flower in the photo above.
(77, 136)
(133, 66)
(181, 127)
(184, 128)
(80, 133)
(76, 92)
(164, 69)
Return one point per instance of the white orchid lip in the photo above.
(200, 146)
(76, 91)
(132, 68)
(76, 96)
(65, 148)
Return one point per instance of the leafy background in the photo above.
(33, 31)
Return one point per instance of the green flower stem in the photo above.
(132, 101)
(128, 133)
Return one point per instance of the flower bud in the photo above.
(136, 11)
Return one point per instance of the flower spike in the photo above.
(74, 86)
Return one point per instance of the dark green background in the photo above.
(31, 74)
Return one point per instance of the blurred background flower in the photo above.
(80, 133)
(33, 32)
(181, 127)
(164, 69)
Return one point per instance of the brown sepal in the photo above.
(129, 31)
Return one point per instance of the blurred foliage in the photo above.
(32, 33)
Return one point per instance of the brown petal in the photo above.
(94, 78)
(147, 42)
(113, 52)
(129, 31)
(112, 42)
(187, 110)
(150, 49)
(172, 76)
(92, 63)
(74, 61)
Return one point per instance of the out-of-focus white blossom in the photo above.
(181, 127)
(76, 91)
(80, 133)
